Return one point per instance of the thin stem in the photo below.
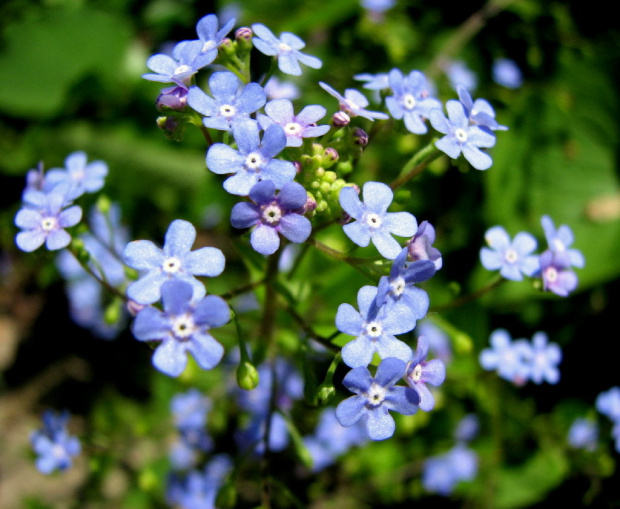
(417, 164)
(326, 342)
(205, 132)
(242, 289)
(359, 264)
(102, 282)
(472, 296)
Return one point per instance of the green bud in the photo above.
(319, 172)
(247, 376)
(104, 204)
(330, 176)
(325, 187)
(112, 313)
(79, 249)
(344, 167)
(317, 149)
(227, 496)
(462, 343)
(148, 480)
(325, 393)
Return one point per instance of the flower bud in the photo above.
(326, 393)
(243, 33)
(340, 119)
(112, 313)
(360, 137)
(247, 376)
(174, 98)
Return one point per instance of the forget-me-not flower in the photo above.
(441, 473)
(556, 273)
(583, 434)
(53, 444)
(420, 246)
(608, 403)
(296, 127)
(544, 359)
(255, 159)
(285, 49)
(353, 103)
(375, 397)
(507, 73)
(373, 222)
(421, 372)
(183, 326)
(512, 258)
(509, 358)
(479, 112)
(79, 176)
(560, 240)
(175, 261)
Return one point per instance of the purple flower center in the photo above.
(551, 274)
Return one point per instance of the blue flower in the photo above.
(229, 103)
(273, 215)
(411, 100)
(281, 90)
(375, 397)
(462, 137)
(378, 81)
(556, 273)
(354, 103)
(286, 49)
(180, 67)
(78, 176)
(544, 360)
(373, 221)
(608, 403)
(420, 246)
(506, 73)
(513, 258)
(189, 409)
(53, 444)
(439, 343)
(43, 220)
(420, 372)
(183, 326)
(175, 261)
(460, 75)
(510, 359)
(583, 434)
(479, 112)
(254, 161)
(442, 473)
(378, 6)
(210, 37)
(560, 241)
(467, 428)
(373, 330)
(296, 127)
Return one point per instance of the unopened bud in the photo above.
(247, 376)
(104, 204)
(326, 393)
(112, 313)
(134, 308)
(297, 165)
(330, 156)
(340, 119)
(243, 34)
(174, 98)
(360, 137)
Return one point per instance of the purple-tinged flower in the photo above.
(274, 89)
(373, 222)
(442, 473)
(479, 112)
(506, 73)
(560, 241)
(175, 261)
(556, 273)
(183, 326)
(375, 397)
(353, 103)
(254, 161)
(79, 177)
(509, 358)
(411, 101)
(421, 372)
(459, 74)
(512, 258)
(544, 360)
(420, 246)
(35, 179)
(462, 137)
(230, 103)
(285, 49)
(174, 98)
(296, 127)
(608, 403)
(53, 444)
(373, 329)
(273, 215)
(43, 220)
(583, 434)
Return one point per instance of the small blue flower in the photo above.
(180, 67)
(507, 74)
(373, 222)
(583, 434)
(411, 101)
(281, 90)
(420, 246)
(439, 342)
(461, 137)
(373, 330)
(183, 326)
(209, 35)
(467, 428)
(544, 360)
(479, 112)
(273, 215)
(229, 103)
(43, 220)
(375, 397)
(421, 372)
(354, 103)
(254, 161)
(460, 75)
(378, 81)
(556, 273)
(560, 241)
(285, 49)
(608, 403)
(509, 358)
(78, 176)
(53, 444)
(189, 409)
(174, 261)
(442, 473)
(296, 127)
(513, 258)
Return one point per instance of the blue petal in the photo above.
(180, 238)
(244, 214)
(349, 411)
(212, 311)
(206, 261)
(170, 357)
(265, 239)
(295, 227)
(348, 320)
(206, 350)
(380, 424)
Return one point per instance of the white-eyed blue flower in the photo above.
(560, 241)
(79, 176)
(556, 273)
(296, 127)
(461, 137)
(255, 159)
(285, 49)
(182, 327)
(373, 222)
(507, 73)
(608, 403)
(175, 261)
(544, 360)
(479, 112)
(512, 258)
(53, 444)
(375, 397)
(353, 103)
(509, 358)
(421, 372)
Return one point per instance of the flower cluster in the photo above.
(53, 444)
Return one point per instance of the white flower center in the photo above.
(351, 106)
(254, 161)
(375, 394)
(292, 129)
(78, 176)
(284, 48)
(373, 330)
(397, 286)
(373, 220)
(272, 214)
(49, 224)
(208, 46)
(460, 135)
(416, 374)
(183, 326)
(551, 274)
(227, 110)
(409, 101)
(182, 69)
(511, 255)
(58, 451)
(172, 265)
(558, 245)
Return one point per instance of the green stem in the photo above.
(472, 296)
(359, 264)
(272, 69)
(417, 164)
(241, 289)
(326, 342)
(113, 290)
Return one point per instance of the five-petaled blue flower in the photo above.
(174, 261)
(560, 241)
(53, 444)
(556, 273)
(421, 372)
(273, 215)
(354, 103)
(420, 246)
(286, 49)
(296, 127)
(254, 161)
(461, 137)
(375, 397)
(512, 258)
(544, 359)
(79, 176)
(373, 222)
(479, 112)
(509, 358)
(183, 326)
